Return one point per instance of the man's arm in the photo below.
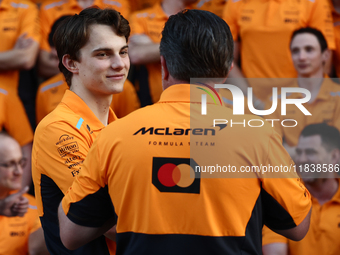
(15, 204)
(36, 243)
(22, 56)
(74, 236)
(275, 249)
(142, 50)
(298, 232)
(47, 64)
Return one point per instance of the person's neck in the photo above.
(99, 104)
(171, 7)
(323, 189)
(172, 81)
(312, 83)
(85, 3)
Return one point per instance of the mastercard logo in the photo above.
(175, 175)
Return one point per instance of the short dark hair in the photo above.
(72, 34)
(197, 44)
(317, 33)
(330, 136)
(54, 28)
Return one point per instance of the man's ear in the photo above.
(70, 64)
(165, 71)
(231, 67)
(335, 156)
(326, 55)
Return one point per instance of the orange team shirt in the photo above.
(13, 117)
(264, 29)
(228, 100)
(137, 5)
(52, 10)
(16, 18)
(151, 22)
(323, 234)
(336, 52)
(51, 92)
(61, 143)
(214, 6)
(197, 216)
(325, 108)
(15, 231)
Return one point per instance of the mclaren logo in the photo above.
(175, 131)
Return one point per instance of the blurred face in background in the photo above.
(307, 56)
(310, 157)
(11, 165)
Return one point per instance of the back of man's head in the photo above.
(73, 33)
(330, 136)
(197, 44)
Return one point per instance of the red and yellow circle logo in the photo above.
(170, 175)
(175, 175)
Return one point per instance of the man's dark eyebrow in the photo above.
(102, 49)
(108, 49)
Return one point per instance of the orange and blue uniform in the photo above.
(61, 143)
(182, 210)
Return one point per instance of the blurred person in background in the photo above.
(52, 90)
(52, 10)
(18, 235)
(317, 162)
(261, 32)
(93, 56)
(154, 194)
(309, 53)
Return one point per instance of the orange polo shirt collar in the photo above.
(188, 93)
(78, 106)
(324, 92)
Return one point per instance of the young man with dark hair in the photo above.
(52, 91)
(161, 207)
(317, 162)
(93, 53)
(309, 53)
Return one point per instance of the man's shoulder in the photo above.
(61, 118)
(21, 5)
(56, 81)
(52, 4)
(148, 13)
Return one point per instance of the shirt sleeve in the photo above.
(286, 201)
(275, 118)
(269, 236)
(44, 28)
(34, 221)
(17, 123)
(137, 24)
(230, 15)
(30, 22)
(88, 197)
(321, 19)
